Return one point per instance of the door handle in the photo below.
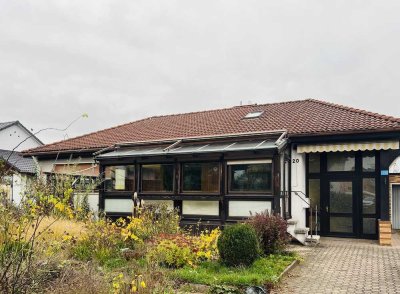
(327, 208)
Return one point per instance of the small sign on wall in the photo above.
(384, 172)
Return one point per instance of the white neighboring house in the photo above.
(14, 137)
(22, 170)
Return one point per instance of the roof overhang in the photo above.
(349, 146)
(184, 147)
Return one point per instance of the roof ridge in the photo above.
(356, 110)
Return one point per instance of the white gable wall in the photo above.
(12, 136)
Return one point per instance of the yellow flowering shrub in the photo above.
(182, 249)
(122, 285)
(206, 245)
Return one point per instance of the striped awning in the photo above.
(348, 146)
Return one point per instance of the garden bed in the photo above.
(264, 271)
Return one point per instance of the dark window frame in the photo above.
(230, 193)
(180, 176)
(118, 192)
(140, 184)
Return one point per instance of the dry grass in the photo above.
(57, 228)
(78, 278)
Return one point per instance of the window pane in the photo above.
(251, 177)
(248, 208)
(368, 162)
(157, 177)
(314, 192)
(314, 163)
(341, 224)
(201, 177)
(369, 226)
(338, 161)
(200, 207)
(341, 197)
(119, 178)
(369, 197)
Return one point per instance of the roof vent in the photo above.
(254, 114)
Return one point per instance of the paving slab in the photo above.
(339, 265)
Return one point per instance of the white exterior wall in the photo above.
(298, 165)
(19, 182)
(14, 135)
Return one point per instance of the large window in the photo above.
(200, 177)
(157, 178)
(119, 178)
(250, 176)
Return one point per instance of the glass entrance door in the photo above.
(340, 207)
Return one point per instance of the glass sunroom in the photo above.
(216, 182)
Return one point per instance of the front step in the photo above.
(314, 239)
(301, 231)
(291, 222)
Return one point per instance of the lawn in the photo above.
(263, 271)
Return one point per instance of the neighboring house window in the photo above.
(250, 176)
(119, 178)
(157, 177)
(201, 177)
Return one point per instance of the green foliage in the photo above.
(238, 245)
(169, 253)
(223, 289)
(271, 230)
(265, 270)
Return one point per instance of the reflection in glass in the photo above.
(369, 226)
(314, 163)
(157, 177)
(201, 177)
(119, 178)
(369, 197)
(340, 224)
(341, 197)
(368, 162)
(251, 177)
(314, 192)
(341, 161)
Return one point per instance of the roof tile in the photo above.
(301, 117)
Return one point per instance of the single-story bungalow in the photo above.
(328, 169)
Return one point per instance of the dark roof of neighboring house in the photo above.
(18, 162)
(299, 118)
(5, 125)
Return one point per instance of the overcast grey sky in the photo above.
(120, 61)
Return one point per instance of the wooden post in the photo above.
(385, 232)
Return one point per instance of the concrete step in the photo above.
(301, 230)
(291, 222)
(314, 239)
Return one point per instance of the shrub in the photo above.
(238, 245)
(271, 230)
(172, 253)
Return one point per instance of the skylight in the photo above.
(254, 114)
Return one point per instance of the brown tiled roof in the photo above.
(299, 118)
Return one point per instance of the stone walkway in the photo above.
(339, 265)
